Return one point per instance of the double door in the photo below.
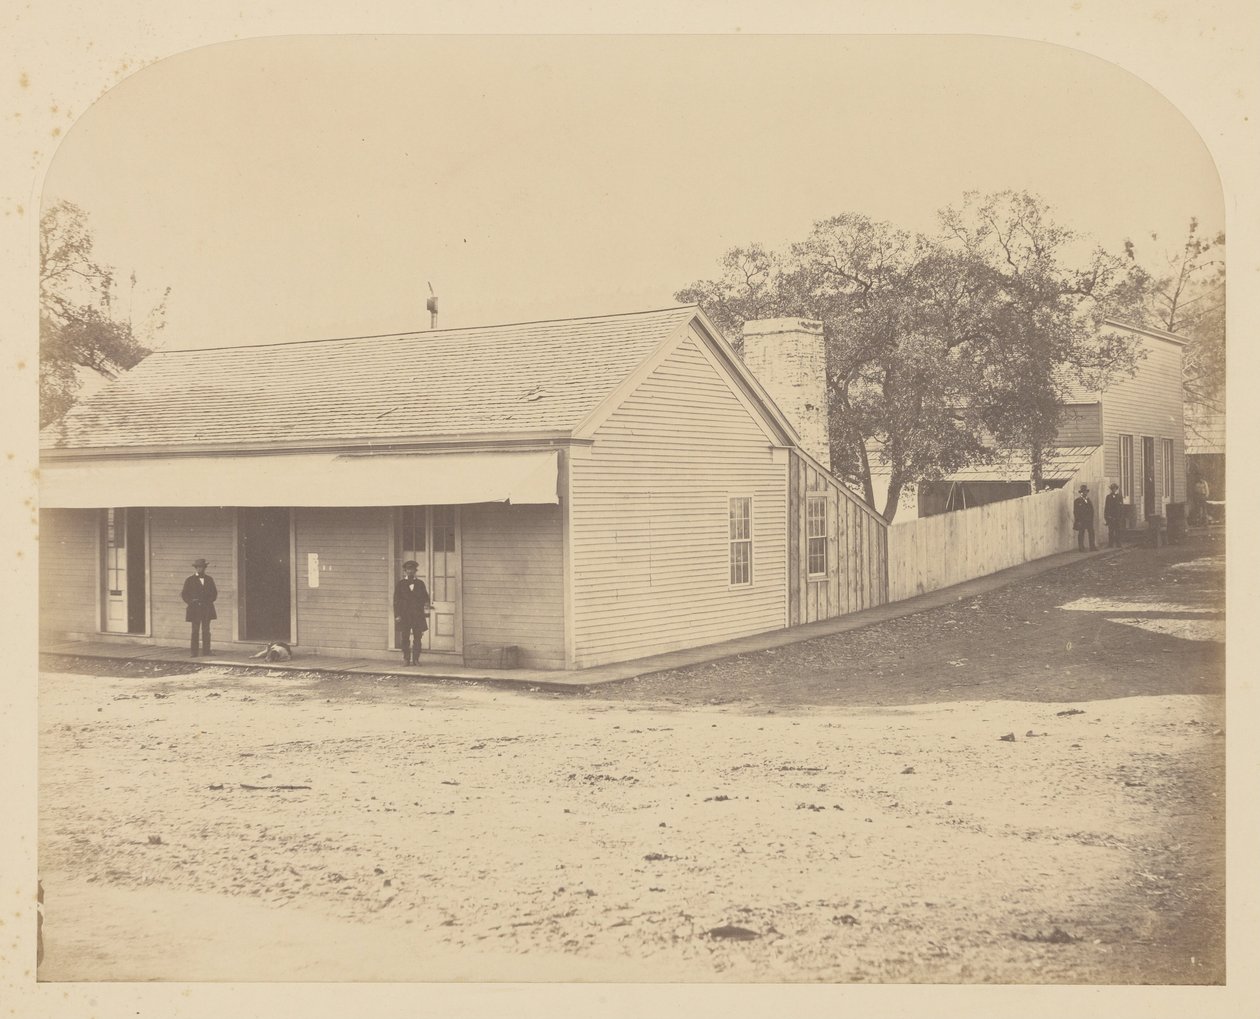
(430, 536)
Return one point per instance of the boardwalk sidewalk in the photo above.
(571, 679)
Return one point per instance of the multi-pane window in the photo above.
(115, 550)
(1126, 467)
(816, 534)
(741, 540)
(1166, 449)
(443, 553)
(411, 537)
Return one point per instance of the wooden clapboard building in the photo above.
(1132, 433)
(585, 490)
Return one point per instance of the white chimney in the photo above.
(788, 357)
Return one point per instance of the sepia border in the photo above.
(1204, 58)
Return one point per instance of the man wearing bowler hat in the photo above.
(199, 595)
(411, 607)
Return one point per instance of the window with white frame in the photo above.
(1126, 467)
(1166, 449)
(741, 540)
(115, 550)
(816, 534)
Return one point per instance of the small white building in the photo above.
(1137, 424)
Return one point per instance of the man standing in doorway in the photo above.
(1113, 514)
(411, 607)
(1083, 520)
(1199, 513)
(199, 595)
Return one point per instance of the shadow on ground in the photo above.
(1125, 635)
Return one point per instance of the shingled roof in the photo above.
(492, 381)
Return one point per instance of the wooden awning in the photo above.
(396, 479)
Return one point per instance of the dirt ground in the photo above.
(840, 810)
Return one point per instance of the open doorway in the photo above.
(124, 544)
(264, 534)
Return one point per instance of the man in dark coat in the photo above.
(199, 594)
(1083, 519)
(1198, 511)
(411, 608)
(1113, 514)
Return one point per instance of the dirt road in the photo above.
(847, 811)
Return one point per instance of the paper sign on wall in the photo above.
(312, 569)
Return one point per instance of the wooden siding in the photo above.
(856, 548)
(68, 550)
(513, 581)
(351, 608)
(1081, 425)
(649, 539)
(949, 548)
(176, 537)
(1149, 404)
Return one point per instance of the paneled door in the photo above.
(123, 542)
(1148, 476)
(430, 536)
(116, 571)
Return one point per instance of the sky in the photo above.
(303, 187)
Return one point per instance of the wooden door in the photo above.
(115, 547)
(444, 557)
(430, 536)
(1148, 476)
(124, 547)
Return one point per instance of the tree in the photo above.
(1186, 295)
(79, 333)
(939, 349)
(881, 295)
(1042, 331)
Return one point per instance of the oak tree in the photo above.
(81, 331)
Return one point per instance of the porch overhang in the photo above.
(1059, 463)
(298, 479)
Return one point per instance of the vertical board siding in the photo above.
(949, 548)
(351, 607)
(1148, 404)
(177, 536)
(67, 554)
(513, 581)
(856, 548)
(796, 536)
(649, 541)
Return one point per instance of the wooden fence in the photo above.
(934, 552)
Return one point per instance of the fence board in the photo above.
(938, 551)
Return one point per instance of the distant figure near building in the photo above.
(1083, 520)
(1202, 492)
(411, 607)
(199, 595)
(1113, 514)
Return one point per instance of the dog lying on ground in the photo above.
(276, 651)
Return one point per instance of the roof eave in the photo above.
(1158, 334)
(434, 443)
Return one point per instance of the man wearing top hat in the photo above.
(1083, 519)
(411, 606)
(199, 595)
(1113, 513)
